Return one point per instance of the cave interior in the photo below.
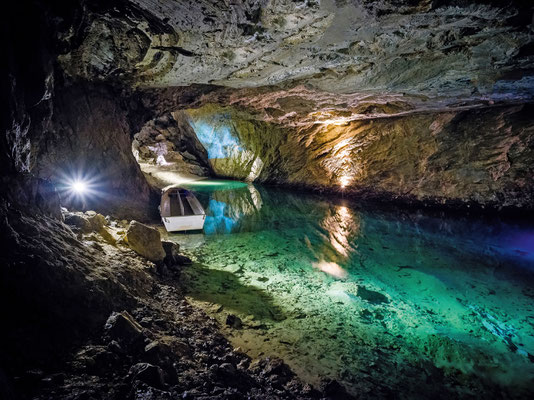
(367, 174)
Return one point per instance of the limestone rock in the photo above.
(340, 47)
(94, 359)
(107, 235)
(97, 221)
(234, 321)
(95, 120)
(274, 370)
(474, 156)
(145, 241)
(78, 221)
(90, 222)
(157, 353)
(122, 328)
(171, 143)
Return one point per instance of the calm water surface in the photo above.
(389, 303)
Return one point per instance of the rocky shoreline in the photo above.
(152, 345)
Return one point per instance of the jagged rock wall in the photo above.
(480, 156)
(55, 289)
(90, 137)
(235, 145)
(54, 128)
(26, 81)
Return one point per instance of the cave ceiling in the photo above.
(301, 62)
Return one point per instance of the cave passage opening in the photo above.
(188, 145)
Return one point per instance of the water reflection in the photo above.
(331, 268)
(342, 227)
(454, 291)
(226, 208)
(217, 220)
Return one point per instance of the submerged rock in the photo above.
(274, 370)
(145, 241)
(183, 260)
(371, 296)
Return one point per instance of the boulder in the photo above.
(124, 329)
(171, 252)
(87, 222)
(183, 260)
(94, 359)
(96, 221)
(145, 241)
(107, 235)
(77, 221)
(150, 374)
(274, 370)
(234, 321)
(158, 353)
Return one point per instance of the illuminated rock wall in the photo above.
(475, 156)
(236, 143)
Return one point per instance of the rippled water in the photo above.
(389, 303)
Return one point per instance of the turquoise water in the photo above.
(390, 303)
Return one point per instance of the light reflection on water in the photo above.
(348, 280)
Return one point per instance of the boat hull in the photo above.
(184, 223)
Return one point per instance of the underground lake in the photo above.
(375, 299)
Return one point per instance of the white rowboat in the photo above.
(180, 210)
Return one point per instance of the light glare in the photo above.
(344, 181)
(79, 187)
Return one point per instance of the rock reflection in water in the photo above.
(225, 208)
(342, 227)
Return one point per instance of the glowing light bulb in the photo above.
(344, 181)
(79, 187)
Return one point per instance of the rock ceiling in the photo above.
(348, 58)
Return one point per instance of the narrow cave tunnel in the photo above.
(262, 199)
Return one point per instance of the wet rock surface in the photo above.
(479, 158)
